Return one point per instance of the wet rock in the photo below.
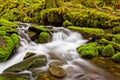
(57, 63)
(15, 76)
(28, 55)
(85, 78)
(32, 62)
(45, 76)
(57, 71)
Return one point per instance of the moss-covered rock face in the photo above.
(116, 57)
(108, 51)
(44, 37)
(88, 50)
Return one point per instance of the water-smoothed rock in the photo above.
(57, 63)
(57, 71)
(45, 76)
(29, 63)
(28, 55)
(15, 76)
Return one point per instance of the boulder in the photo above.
(29, 63)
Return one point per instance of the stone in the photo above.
(57, 71)
(45, 76)
(32, 62)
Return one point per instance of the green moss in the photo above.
(92, 18)
(7, 23)
(108, 51)
(44, 37)
(35, 27)
(67, 23)
(88, 50)
(2, 33)
(5, 51)
(7, 29)
(116, 57)
(105, 42)
(116, 29)
(15, 38)
(116, 38)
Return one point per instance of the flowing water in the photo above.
(63, 45)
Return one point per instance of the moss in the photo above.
(116, 29)
(15, 38)
(5, 51)
(7, 29)
(105, 42)
(7, 23)
(44, 37)
(116, 38)
(116, 57)
(2, 33)
(108, 51)
(67, 23)
(88, 50)
(5, 78)
(92, 18)
(35, 27)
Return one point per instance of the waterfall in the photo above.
(63, 44)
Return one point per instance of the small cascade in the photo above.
(63, 45)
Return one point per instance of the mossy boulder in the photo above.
(88, 51)
(7, 48)
(108, 51)
(116, 57)
(44, 37)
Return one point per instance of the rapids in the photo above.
(63, 44)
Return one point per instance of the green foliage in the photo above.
(88, 50)
(108, 51)
(116, 29)
(44, 37)
(116, 57)
(5, 78)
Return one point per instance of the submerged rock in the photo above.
(45, 76)
(57, 71)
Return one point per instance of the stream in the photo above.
(63, 45)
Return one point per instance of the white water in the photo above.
(63, 45)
